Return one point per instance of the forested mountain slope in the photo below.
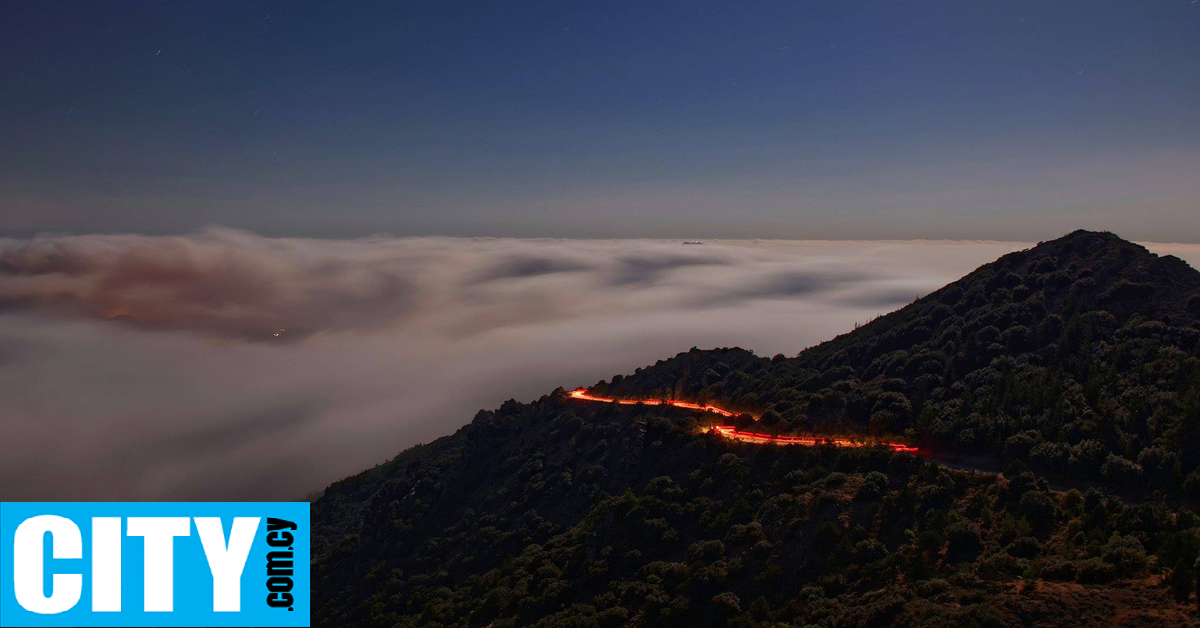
(1077, 358)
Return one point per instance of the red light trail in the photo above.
(732, 433)
(582, 394)
(807, 441)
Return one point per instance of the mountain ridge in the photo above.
(1076, 357)
(1051, 312)
(1171, 273)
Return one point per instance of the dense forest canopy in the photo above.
(1072, 365)
(1078, 357)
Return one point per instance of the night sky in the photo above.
(800, 119)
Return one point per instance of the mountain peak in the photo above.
(1088, 234)
(1087, 270)
(1082, 240)
(1084, 272)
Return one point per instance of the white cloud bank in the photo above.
(135, 367)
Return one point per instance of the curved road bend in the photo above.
(732, 433)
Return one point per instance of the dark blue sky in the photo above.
(810, 118)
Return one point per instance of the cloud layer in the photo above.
(138, 367)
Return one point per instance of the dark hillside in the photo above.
(1076, 359)
(1081, 272)
(564, 514)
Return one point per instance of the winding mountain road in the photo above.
(971, 465)
(732, 433)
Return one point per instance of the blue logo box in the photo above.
(154, 564)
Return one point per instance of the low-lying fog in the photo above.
(140, 368)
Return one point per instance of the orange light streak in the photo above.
(582, 394)
(732, 433)
(807, 441)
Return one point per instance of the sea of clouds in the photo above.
(226, 365)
